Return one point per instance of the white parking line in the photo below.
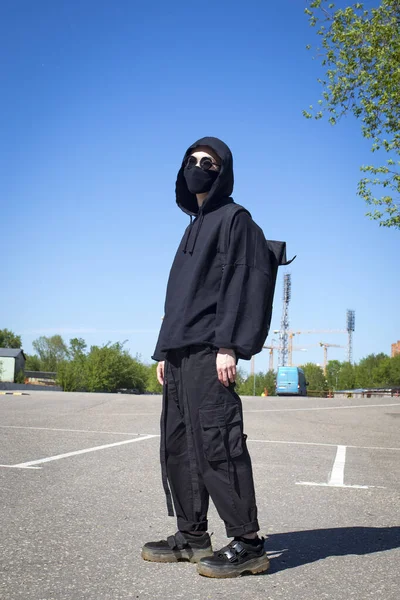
(357, 487)
(336, 478)
(157, 435)
(14, 467)
(262, 410)
(337, 473)
(70, 430)
(136, 414)
(33, 463)
(321, 444)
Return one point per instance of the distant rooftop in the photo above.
(11, 352)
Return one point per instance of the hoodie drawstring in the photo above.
(200, 219)
(188, 235)
(163, 448)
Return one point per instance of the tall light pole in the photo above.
(284, 332)
(271, 357)
(337, 376)
(351, 324)
(253, 374)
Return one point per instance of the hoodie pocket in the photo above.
(222, 431)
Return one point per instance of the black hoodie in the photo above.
(224, 305)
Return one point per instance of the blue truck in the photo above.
(291, 381)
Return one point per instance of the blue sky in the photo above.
(99, 101)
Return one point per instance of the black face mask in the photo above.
(198, 180)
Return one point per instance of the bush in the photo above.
(71, 375)
(152, 382)
(32, 363)
(245, 387)
(20, 377)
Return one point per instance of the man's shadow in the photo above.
(297, 548)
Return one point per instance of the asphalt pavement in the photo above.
(80, 492)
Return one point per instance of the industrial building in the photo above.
(395, 348)
(12, 361)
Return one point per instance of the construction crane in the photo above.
(271, 354)
(272, 348)
(325, 347)
(291, 335)
(271, 358)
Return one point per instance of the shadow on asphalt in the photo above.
(298, 548)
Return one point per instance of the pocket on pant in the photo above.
(222, 431)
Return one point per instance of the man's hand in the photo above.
(160, 372)
(226, 366)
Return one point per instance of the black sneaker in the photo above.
(178, 547)
(236, 558)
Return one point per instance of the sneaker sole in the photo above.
(178, 556)
(254, 566)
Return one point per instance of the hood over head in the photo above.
(222, 186)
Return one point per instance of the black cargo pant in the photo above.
(203, 448)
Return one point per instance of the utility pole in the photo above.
(253, 374)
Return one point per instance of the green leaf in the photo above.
(359, 54)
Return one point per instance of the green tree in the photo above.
(106, 368)
(360, 50)
(395, 370)
(270, 383)
(77, 347)
(141, 373)
(386, 371)
(245, 387)
(20, 377)
(332, 374)
(152, 382)
(32, 363)
(382, 373)
(72, 375)
(8, 339)
(367, 372)
(315, 377)
(241, 377)
(71, 372)
(67, 376)
(51, 351)
(347, 377)
(110, 368)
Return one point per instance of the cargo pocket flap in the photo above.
(222, 431)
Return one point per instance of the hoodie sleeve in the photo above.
(244, 303)
(159, 355)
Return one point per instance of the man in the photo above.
(217, 310)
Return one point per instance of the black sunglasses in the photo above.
(205, 163)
